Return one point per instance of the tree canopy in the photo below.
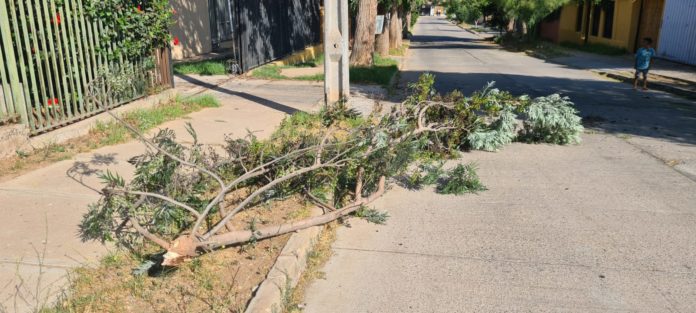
(527, 11)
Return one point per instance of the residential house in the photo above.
(678, 32)
(252, 32)
(614, 23)
(624, 23)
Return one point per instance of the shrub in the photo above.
(552, 119)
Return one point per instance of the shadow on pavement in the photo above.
(618, 107)
(262, 101)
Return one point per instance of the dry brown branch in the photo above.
(158, 196)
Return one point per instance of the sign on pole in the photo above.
(379, 28)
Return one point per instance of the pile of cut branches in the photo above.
(184, 197)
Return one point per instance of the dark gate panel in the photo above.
(272, 29)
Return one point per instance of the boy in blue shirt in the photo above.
(644, 57)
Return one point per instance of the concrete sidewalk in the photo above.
(42, 209)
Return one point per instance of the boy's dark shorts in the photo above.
(644, 72)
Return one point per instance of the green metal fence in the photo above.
(51, 55)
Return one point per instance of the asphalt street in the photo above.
(604, 226)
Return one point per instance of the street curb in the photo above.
(286, 272)
(654, 85)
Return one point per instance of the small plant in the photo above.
(553, 120)
(461, 180)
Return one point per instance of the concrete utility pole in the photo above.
(336, 56)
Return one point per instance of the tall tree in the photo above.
(364, 44)
(382, 40)
(395, 26)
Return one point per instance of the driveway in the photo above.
(605, 226)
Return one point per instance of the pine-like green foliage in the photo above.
(460, 180)
(552, 119)
(496, 135)
(427, 173)
(373, 216)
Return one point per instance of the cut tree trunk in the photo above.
(364, 44)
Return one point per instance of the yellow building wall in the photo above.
(308, 54)
(567, 31)
(626, 15)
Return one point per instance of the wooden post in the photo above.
(336, 57)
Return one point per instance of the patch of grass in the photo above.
(207, 68)
(314, 78)
(401, 51)
(597, 48)
(103, 134)
(145, 119)
(381, 73)
(268, 71)
(316, 62)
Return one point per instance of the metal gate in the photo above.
(52, 57)
(261, 31)
(272, 29)
(678, 34)
(223, 20)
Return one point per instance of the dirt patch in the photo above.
(220, 281)
(25, 162)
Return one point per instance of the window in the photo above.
(608, 18)
(596, 16)
(578, 20)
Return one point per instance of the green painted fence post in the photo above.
(8, 47)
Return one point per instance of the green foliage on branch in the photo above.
(466, 10)
(496, 135)
(552, 119)
(335, 158)
(460, 180)
(132, 29)
(373, 216)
